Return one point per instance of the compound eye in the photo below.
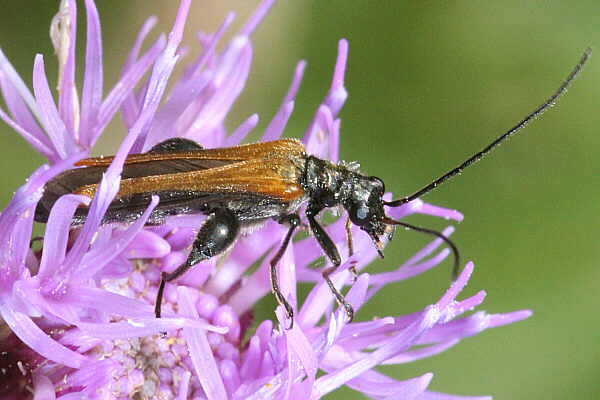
(378, 180)
(362, 213)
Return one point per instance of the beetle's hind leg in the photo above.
(217, 233)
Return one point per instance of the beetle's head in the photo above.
(365, 208)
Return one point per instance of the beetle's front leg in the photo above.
(217, 233)
(322, 237)
(332, 253)
(350, 242)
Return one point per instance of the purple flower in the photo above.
(78, 314)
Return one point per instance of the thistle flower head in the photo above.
(78, 314)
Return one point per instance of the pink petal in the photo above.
(22, 115)
(163, 67)
(200, 351)
(240, 133)
(130, 107)
(57, 233)
(124, 87)
(147, 245)
(279, 122)
(53, 124)
(38, 340)
(257, 17)
(43, 388)
(47, 151)
(67, 89)
(20, 86)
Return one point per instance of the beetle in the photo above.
(243, 186)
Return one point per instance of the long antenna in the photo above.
(547, 104)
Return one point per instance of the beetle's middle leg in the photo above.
(294, 221)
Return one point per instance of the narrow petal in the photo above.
(395, 345)
(48, 151)
(56, 236)
(124, 87)
(456, 287)
(17, 219)
(91, 96)
(403, 272)
(337, 93)
(180, 98)
(147, 245)
(242, 131)
(130, 107)
(441, 212)
(400, 390)
(336, 324)
(14, 78)
(319, 300)
(43, 388)
(231, 73)
(39, 340)
(163, 67)
(200, 351)
(67, 90)
(53, 124)
(298, 343)
(106, 192)
(258, 16)
(277, 125)
(94, 376)
(207, 49)
(421, 353)
(108, 302)
(334, 141)
(322, 123)
(316, 139)
(22, 115)
(98, 256)
(472, 325)
(279, 122)
(443, 396)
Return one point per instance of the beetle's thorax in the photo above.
(327, 183)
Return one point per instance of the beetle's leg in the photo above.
(294, 221)
(341, 300)
(350, 242)
(216, 234)
(322, 237)
(332, 253)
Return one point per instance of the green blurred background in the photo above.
(429, 84)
